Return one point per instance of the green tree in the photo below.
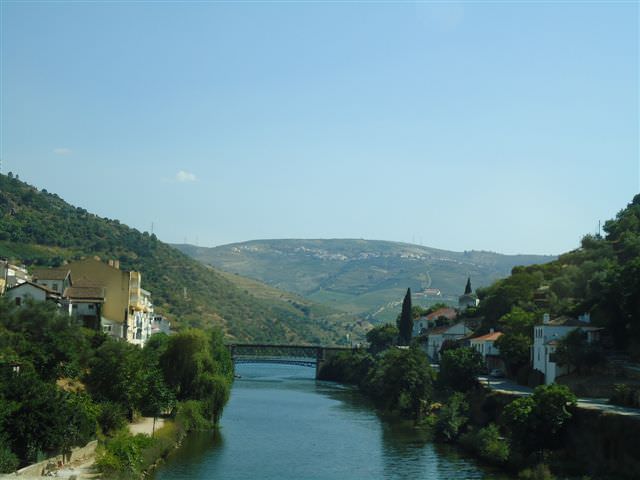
(44, 419)
(467, 288)
(381, 338)
(514, 350)
(401, 380)
(405, 322)
(538, 421)
(194, 372)
(459, 368)
(118, 375)
(575, 351)
(186, 359)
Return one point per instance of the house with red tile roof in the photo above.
(485, 345)
(436, 337)
(421, 325)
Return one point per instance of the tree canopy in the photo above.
(405, 322)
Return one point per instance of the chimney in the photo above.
(116, 264)
(491, 330)
(545, 319)
(111, 263)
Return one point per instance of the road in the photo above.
(505, 385)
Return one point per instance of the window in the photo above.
(91, 306)
(18, 301)
(54, 287)
(106, 328)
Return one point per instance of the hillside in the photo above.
(361, 276)
(39, 228)
(601, 278)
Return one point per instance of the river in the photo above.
(282, 424)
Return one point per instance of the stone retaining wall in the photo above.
(41, 468)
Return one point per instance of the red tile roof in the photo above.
(489, 337)
(449, 313)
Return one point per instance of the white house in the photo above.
(85, 304)
(485, 345)
(56, 279)
(11, 275)
(141, 318)
(422, 325)
(437, 336)
(31, 291)
(160, 325)
(546, 338)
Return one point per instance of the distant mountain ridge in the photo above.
(365, 277)
(39, 228)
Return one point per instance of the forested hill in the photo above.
(361, 276)
(601, 278)
(39, 228)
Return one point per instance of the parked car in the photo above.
(496, 373)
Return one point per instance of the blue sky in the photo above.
(503, 126)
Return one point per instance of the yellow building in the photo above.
(127, 309)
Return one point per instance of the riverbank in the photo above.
(281, 424)
(544, 429)
(81, 462)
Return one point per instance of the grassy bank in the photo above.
(122, 455)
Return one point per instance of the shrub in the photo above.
(122, 454)
(400, 381)
(539, 472)
(487, 443)
(111, 418)
(347, 367)
(191, 417)
(8, 460)
(452, 417)
(164, 441)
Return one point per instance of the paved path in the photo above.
(145, 425)
(505, 385)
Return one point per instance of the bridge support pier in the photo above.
(320, 358)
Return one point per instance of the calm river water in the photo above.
(282, 424)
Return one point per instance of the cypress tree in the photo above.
(467, 289)
(405, 323)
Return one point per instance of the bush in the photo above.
(452, 417)
(164, 441)
(539, 472)
(8, 460)
(401, 380)
(111, 418)
(122, 455)
(487, 443)
(191, 417)
(347, 367)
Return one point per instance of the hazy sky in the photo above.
(501, 126)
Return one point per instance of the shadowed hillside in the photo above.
(39, 228)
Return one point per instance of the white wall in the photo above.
(25, 291)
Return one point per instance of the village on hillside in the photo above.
(100, 295)
(96, 294)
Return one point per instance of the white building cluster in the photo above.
(96, 294)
